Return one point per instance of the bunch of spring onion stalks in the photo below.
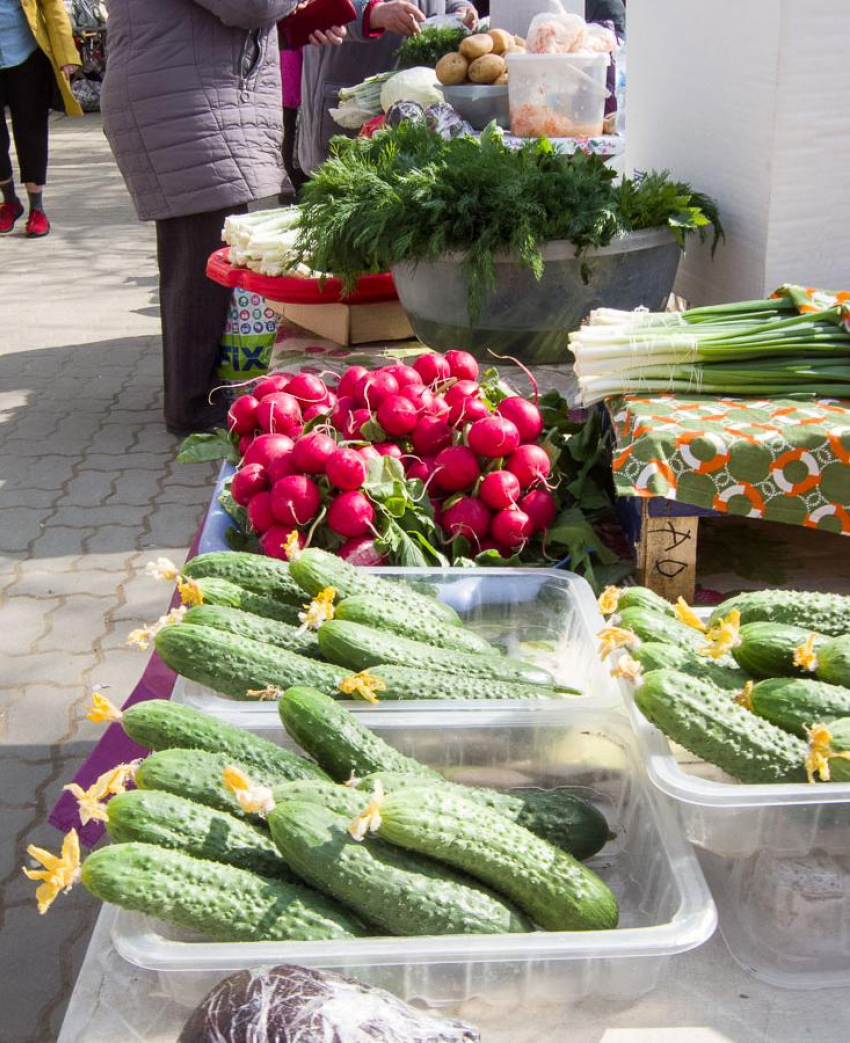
(764, 347)
(264, 241)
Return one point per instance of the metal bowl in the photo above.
(479, 103)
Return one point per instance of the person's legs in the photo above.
(29, 89)
(193, 313)
(10, 206)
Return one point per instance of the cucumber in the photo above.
(222, 902)
(767, 649)
(158, 724)
(165, 819)
(257, 628)
(399, 892)
(723, 672)
(233, 665)
(643, 597)
(834, 661)
(409, 682)
(660, 628)
(376, 612)
(337, 740)
(795, 704)
(556, 891)
(714, 727)
(340, 799)
(359, 647)
(837, 750)
(223, 592)
(314, 570)
(827, 614)
(253, 572)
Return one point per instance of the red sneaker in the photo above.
(37, 224)
(9, 214)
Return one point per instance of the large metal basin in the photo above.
(528, 319)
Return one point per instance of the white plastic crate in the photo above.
(664, 903)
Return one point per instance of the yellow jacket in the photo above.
(51, 28)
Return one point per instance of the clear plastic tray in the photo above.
(545, 616)
(665, 905)
(777, 859)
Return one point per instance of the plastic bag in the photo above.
(290, 1004)
(555, 33)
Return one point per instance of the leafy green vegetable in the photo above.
(214, 445)
(429, 46)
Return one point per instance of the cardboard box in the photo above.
(747, 102)
(350, 324)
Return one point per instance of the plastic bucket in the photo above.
(557, 95)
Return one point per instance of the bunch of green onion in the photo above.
(264, 241)
(763, 347)
(361, 103)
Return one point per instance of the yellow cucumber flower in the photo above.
(369, 821)
(59, 874)
(91, 800)
(608, 600)
(628, 668)
(319, 610)
(821, 753)
(685, 614)
(612, 638)
(102, 708)
(804, 656)
(292, 545)
(745, 696)
(363, 686)
(723, 637)
(162, 569)
(190, 592)
(261, 694)
(252, 797)
(142, 637)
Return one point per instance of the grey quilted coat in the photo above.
(192, 102)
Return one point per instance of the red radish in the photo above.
(524, 414)
(372, 389)
(351, 514)
(493, 436)
(249, 480)
(492, 545)
(294, 432)
(340, 412)
(437, 508)
(420, 396)
(349, 380)
(541, 507)
(421, 469)
(266, 448)
(295, 500)
(279, 412)
(260, 516)
(499, 489)
(330, 400)
(467, 411)
(312, 451)
(273, 541)
(245, 442)
(431, 435)
(462, 365)
(389, 449)
(468, 517)
(346, 469)
(309, 390)
(369, 453)
(462, 389)
(440, 407)
(311, 412)
(530, 464)
(242, 415)
(456, 469)
(362, 551)
(397, 416)
(406, 376)
(432, 368)
(511, 528)
(281, 467)
(273, 384)
(353, 425)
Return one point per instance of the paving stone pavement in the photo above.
(89, 493)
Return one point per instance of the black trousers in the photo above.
(193, 312)
(28, 91)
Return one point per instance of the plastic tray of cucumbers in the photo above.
(440, 857)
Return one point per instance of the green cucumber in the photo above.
(723, 672)
(168, 820)
(837, 752)
(795, 703)
(711, 725)
(222, 902)
(158, 724)
(314, 570)
(336, 797)
(410, 682)
(660, 628)
(767, 649)
(376, 612)
(833, 663)
(234, 665)
(556, 891)
(827, 614)
(359, 647)
(399, 892)
(643, 597)
(253, 572)
(337, 740)
(229, 595)
(257, 628)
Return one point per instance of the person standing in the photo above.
(37, 60)
(191, 105)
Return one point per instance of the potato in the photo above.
(451, 69)
(487, 69)
(502, 40)
(519, 41)
(502, 80)
(476, 46)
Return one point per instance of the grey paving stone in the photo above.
(60, 541)
(23, 620)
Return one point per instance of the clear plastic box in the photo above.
(545, 616)
(665, 905)
(777, 859)
(557, 95)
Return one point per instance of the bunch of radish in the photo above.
(305, 448)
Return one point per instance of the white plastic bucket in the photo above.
(557, 95)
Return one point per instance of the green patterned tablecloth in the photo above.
(783, 460)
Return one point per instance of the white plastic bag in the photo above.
(555, 33)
